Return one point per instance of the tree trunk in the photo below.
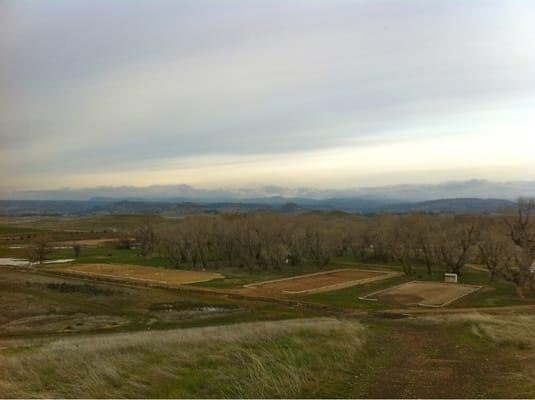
(520, 290)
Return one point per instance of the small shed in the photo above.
(450, 278)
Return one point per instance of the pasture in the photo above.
(468, 355)
(35, 304)
(113, 322)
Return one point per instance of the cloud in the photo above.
(161, 88)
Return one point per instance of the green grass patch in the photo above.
(7, 230)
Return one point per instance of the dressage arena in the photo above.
(135, 273)
(322, 281)
(427, 294)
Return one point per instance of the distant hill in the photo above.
(276, 205)
(475, 188)
(357, 205)
(453, 206)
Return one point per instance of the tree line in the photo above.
(505, 245)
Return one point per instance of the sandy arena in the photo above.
(322, 281)
(87, 242)
(168, 277)
(427, 294)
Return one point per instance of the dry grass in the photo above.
(508, 340)
(266, 359)
(508, 329)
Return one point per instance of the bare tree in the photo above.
(317, 248)
(123, 243)
(169, 247)
(147, 237)
(425, 231)
(402, 246)
(344, 237)
(519, 263)
(381, 238)
(458, 239)
(201, 246)
(76, 248)
(39, 250)
(494, 254)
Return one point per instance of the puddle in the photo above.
(209, 309)
(22, 262)
(14, 262)
(59, 261)
(198, 307)
(173, 312)
(390, 315)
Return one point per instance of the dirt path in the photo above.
(360, 265)
(477, 267)
(88, 242)
(464, 310)
(429, 365)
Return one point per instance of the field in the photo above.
(135, 273)
(322, 281)
(318, 357)
(37, 305)
(113, 324)
(428, 294)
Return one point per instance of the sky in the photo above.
(229, 93)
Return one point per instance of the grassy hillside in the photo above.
(266, 359)
(467, 356)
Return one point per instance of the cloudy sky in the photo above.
(229, 93)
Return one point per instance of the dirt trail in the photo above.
(429, 366)
(477, 267)
(360, 265)
(464, 310)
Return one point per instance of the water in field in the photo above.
(22, 262)
(178, 312)
(14, 262)
(59, 261)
